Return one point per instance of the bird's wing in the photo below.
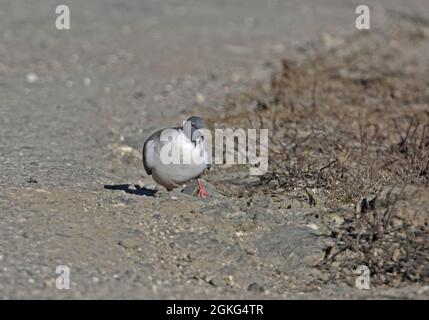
(147, 154)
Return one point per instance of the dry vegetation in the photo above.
(344, 124)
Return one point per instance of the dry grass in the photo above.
(344, 124)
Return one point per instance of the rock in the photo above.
(292, 248)
(126, 154)
(128, 243)
(329, 41)
(87, 81)
(408, 203)
(200, 99)
(32, 180)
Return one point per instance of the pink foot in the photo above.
(202, 193)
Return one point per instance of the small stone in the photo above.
(139, 95)
(235, 77)
(32, 180)
(199, 98)
(49, 282)
(313, 226)
(330, 41)
(396, 255)
(87, 82)
(423, 290)
(31, 77)
(128, 243)
(337, 220)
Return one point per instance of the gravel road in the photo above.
(75, 108)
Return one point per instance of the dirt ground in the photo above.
(347, 185)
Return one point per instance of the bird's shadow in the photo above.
(136, 191)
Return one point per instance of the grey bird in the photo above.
(174, 156)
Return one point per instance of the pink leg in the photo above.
(202, 193)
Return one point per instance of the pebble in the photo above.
(313, 226)
(199, 98)
(32, 180)
(255, 287)
(87, 82)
